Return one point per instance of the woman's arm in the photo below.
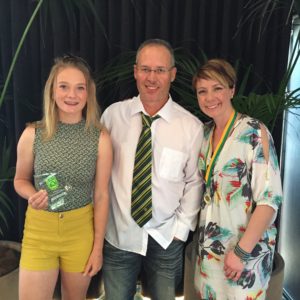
(260, 220)
(101, 202)
(24, 170)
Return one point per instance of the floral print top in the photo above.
(242, 179)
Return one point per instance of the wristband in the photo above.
(242, 254)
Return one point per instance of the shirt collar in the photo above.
(165, 112)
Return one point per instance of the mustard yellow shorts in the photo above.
(57, 240)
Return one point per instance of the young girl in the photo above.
(69, 155)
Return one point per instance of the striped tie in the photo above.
(141, 199)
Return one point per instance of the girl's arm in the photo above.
(101, 202)
(24, 170)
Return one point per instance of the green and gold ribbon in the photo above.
(225, 133)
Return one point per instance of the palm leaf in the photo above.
(6, 174)
(14, 60)
(261, 11)
(117, 82)
(7, 204)
(5, 211)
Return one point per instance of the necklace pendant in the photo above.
(207, 198)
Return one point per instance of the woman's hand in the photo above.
(233, 267)
(39, 200)
(94, 263)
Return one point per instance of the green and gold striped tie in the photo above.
(141, 199)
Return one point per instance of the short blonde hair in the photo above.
(219, 70)
(91, 112)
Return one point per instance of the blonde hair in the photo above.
(219, 70)
(91, 112)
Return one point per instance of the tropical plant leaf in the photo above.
(118, 82)
(297, 6)
(6, 202)
(15, 57)
(261, 11)
(6, 175)
(6, 172)
(6, 210)
(244, 81)
(84, 7)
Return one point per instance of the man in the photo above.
(151, 235)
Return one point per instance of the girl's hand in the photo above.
(39, 200)
(94, 264)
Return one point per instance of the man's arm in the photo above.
(190, 202)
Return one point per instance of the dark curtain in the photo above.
(115, 26)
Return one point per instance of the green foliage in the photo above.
(182, 90)
(268, 107)
(261, 11)
(71, 7)
(116, 79)
(12, 66)
(116, 82)
(6, 175)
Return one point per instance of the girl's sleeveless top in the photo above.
(72, 155)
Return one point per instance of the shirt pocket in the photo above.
(172, 163)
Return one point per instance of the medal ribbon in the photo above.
(220, 145)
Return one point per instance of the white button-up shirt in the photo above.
(176, 182)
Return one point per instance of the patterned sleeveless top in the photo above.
(72, 154)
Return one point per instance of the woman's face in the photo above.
(70, 94)
(214, 98)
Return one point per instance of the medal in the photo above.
(207, 198)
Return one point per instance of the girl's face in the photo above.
(214, 98)
(70, 94)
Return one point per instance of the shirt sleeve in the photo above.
(190, 202)
(266, 181)
(105, 119)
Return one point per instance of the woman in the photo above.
(70, 156)
(242, 195)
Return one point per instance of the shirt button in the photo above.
(61, 216)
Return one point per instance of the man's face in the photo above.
(154, 73)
